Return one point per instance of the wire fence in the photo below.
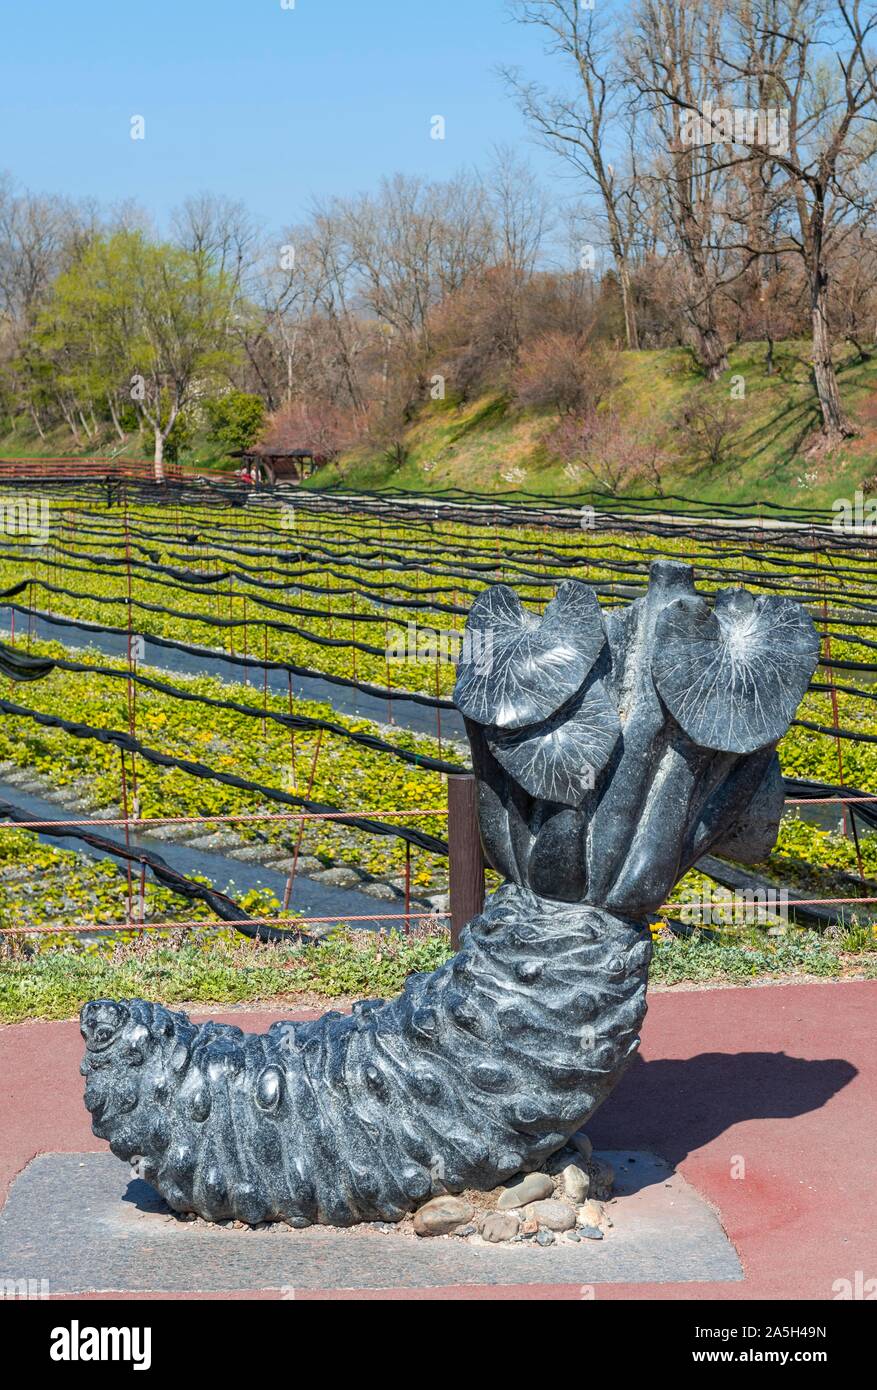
(413, 555)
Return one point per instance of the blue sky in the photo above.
(246, 98)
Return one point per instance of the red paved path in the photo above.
(784, 1077)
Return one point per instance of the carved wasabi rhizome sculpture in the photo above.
(611, 750)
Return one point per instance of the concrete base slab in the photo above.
(81, 1223)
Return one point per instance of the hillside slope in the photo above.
(772, 451)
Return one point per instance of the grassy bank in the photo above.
(772, 450)
(208, 969)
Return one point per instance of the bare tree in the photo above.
(673, 51)
(413, 244)
(30, 244)
(706, 424)
(335, 271)
(854, 306)
(832, 139)
(219, 233)
(521, 211)
(603, 448)
(581, 127)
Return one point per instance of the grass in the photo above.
(215, 968)
(773, 453)
(209, 968)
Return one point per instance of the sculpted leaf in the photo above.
(518, 669)
(734, 676)
(559, 759)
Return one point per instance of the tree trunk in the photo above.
(115, 418)
(700, 291)
(711, 350)
(70, 421)
(631, 334)
(835, 425)
(159, 456)
(630, 329)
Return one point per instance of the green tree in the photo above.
(236, 420)
(141, 321)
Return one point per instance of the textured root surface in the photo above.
(474, 1072)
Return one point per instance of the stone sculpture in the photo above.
(611, 752)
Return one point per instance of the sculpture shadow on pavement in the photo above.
(675, 1106)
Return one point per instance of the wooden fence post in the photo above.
(466, 861)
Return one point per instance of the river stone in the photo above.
(554, 1216)
(603, 1174)
(544, 1238)
(581, 1142)
(339, 877)
(382, 891)
(442, 1215)
(590, 1232)
(499, 1226)
(309, 864)
(591, 1214)
(532, 1188)
(575, 1183)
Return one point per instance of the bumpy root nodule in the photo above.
(475, 1072)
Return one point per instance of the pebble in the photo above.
(499, 1226)
(442, 1215)
(604, 1173)
(553, 1215)
(529, 1228)
(544, 1238)
(469, 1230)
(574, 1237)
(590, 1232)
(576, 1183)
(582, 1143)
(339, 877)
(591, 1214)
(533, 1188)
